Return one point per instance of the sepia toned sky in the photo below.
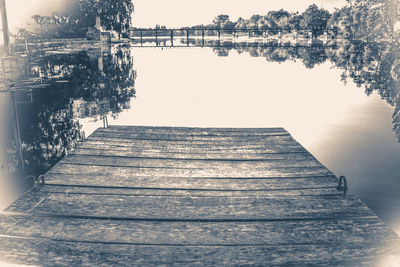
(171, 13)
(20, 11)
(174, 13)
(191, 12)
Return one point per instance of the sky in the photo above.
(175, 13)
(171, 13)
(20, 11)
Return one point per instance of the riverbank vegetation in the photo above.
(80, 15)
(80, 85)
(359, 19)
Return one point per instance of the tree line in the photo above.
(80, 15)
(363, 19)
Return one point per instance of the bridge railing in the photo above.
(213, 31)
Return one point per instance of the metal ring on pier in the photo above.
(40, 180)
(83, 136)
(35, 180)
(343, 187)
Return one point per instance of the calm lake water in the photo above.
(344, 115)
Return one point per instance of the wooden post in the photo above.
(249, 33)
(98, 23)
(26, 44)
(172, 37)
(187, 37)
(120, 27)
(202, 34)
(5, 27)
(17, 133)
(141, 37)
(219, 33)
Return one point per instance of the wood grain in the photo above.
(192, 196)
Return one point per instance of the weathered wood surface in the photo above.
(196, 208)
(197, 233)
(196, 183)
(192, 196)
(148, 191)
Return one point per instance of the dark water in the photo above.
(341, 102)
(53, 96)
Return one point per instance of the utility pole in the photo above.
(5, 26)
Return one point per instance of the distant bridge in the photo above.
(207, 31)
(309, 34)
(160, 36)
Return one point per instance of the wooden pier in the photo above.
(192, 196)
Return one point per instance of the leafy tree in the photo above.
(315, 19)
(294, 21)
(369, 20)
(116, 14)
(220, 20)
(279, 19)
(74, 21)
(229, 25)
(255, 18)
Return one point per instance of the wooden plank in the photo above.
(28, 200)
(196, 233)
(201, 135)
(109, 139)
(194, 146)
(47, 252)
(197, 208)
(127, 173)
(199, 183)
(193, 133)
(201, 156)
(173, 137)
(179, 163)
(191, 130)
(196, 192)
(193, 150)
(198, 152)
(289, 157)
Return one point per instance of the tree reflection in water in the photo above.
(101, 82)
(375, 66)
(91, 83)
